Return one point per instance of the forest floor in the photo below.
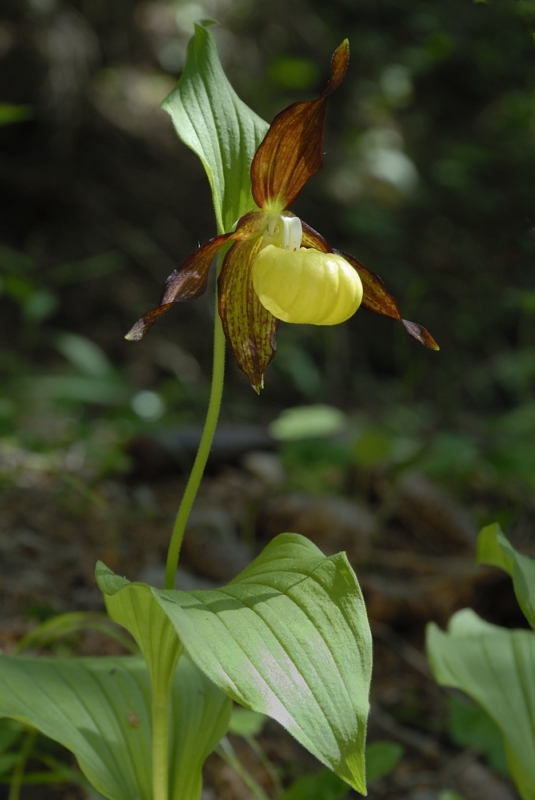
(412, 546)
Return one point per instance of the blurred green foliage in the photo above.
(470, 726)
(428, 178)
(10, 113)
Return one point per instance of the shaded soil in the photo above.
(411, 545)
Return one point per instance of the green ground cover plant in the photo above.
(493, 665)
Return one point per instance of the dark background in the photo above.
(428, 179)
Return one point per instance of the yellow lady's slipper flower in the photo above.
(278, 267)
(306, 286)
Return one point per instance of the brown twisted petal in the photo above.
(186, 282)
(190, 278)
(249, 327)
(291, 151)
(377, 298)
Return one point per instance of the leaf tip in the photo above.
(420, 333)
(206, 22)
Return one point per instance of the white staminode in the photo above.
(284, 232)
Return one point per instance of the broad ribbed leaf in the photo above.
(494, 548)
(99, 708)
(134, 606)
(289, 637)
(137, 611)
(200, 718)
(211, 119)
(496, 668)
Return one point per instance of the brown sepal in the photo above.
(312, 238)
(249, 327)
(291, 151)
(190, 278)
(339, 63)
(376, 298)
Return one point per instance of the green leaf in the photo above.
(79, 388)
(470, 726)
(100, 709)
(494, 548)
(10, 732)
(305, 422)
(289, 637)
(489, 550)
(381, 758)
(496, 668)
(324, 785)
(63, 625)
(201, 714)
(244, 722)
(136, 610)
(85, 355)
(7, 762)
(211, 119)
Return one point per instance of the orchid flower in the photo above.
(277, 267)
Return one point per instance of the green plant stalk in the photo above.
(227, 753)
(18, 772)
(162, 685)
(266, 763)
(194, 480)
(160, 745)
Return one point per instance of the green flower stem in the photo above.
(160, 745)
(212, 415)
(162, 685)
